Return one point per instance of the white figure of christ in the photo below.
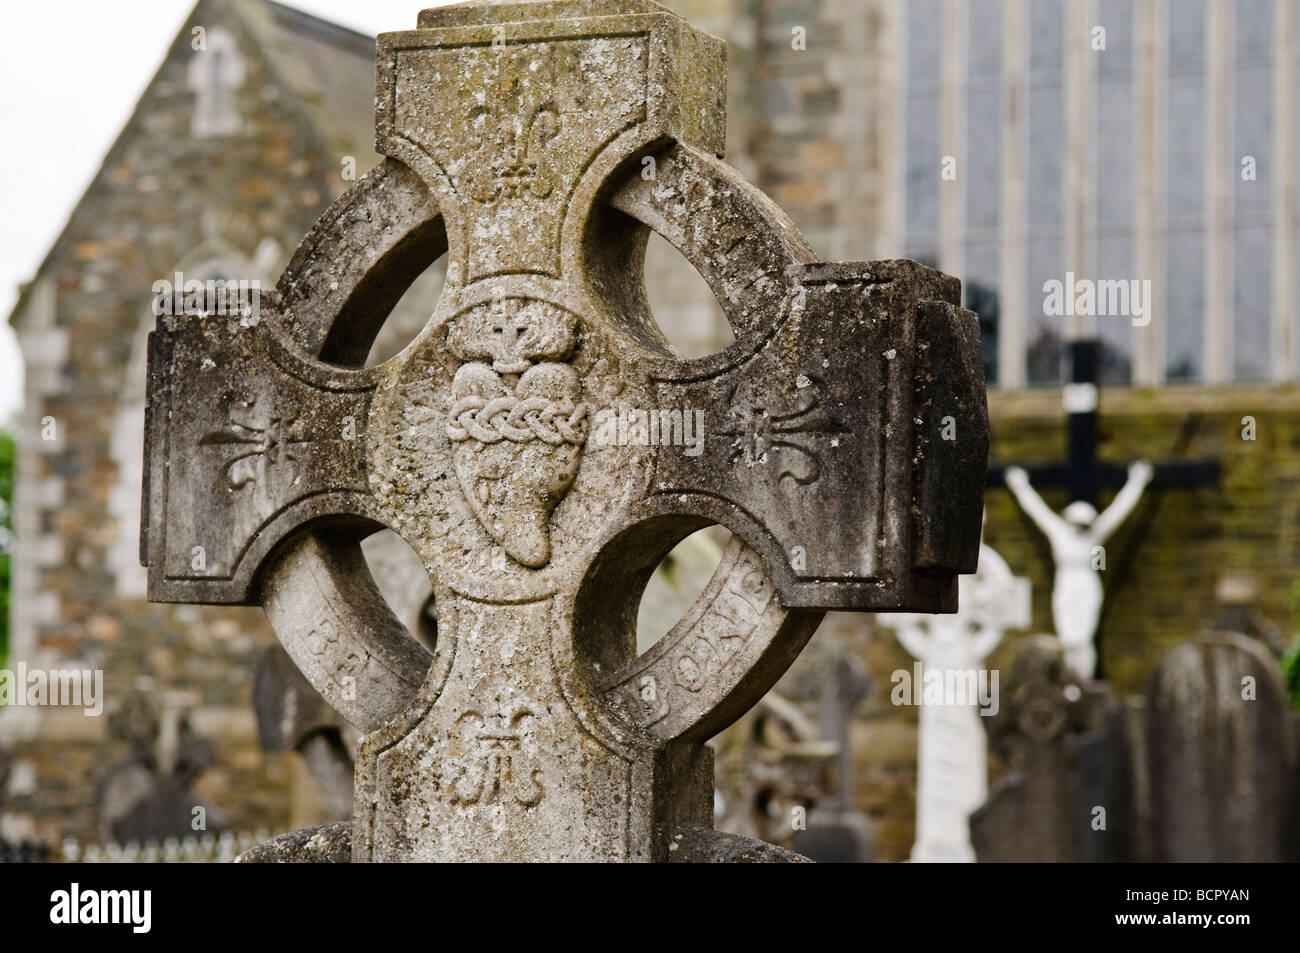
(1076, 536)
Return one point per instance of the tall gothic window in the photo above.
(216, 71)
(1252, 217)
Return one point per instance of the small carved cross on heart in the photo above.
(507, 323)
(819, 449)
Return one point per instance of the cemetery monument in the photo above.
(535, 145)
(1077, 535)
(952, 773)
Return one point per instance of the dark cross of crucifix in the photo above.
(1082, 474)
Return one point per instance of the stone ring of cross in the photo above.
(530, 444)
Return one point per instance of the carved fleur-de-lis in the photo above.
(521, 134)
(760, 430)
(273, 442)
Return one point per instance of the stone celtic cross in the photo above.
(536, 145)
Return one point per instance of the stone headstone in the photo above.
(541, 447)
(325, 844)
(952, 757)
(835, 831)
(1221, 752)
(771, 763)
(148, 793)
(291, 716)
(1067, 795)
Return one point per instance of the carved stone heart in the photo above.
(517, 453)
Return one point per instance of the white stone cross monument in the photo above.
(952, 769)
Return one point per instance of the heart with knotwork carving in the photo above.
(517, 452)
(518, 426)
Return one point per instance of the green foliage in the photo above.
(1291, 672)
(1291, 660)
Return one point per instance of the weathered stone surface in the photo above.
(327, 844)
(698, 846)
(1221, 753)
(1066, 743)
(332, 844)
(510, 446)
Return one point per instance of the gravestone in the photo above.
(770, 764)
(530, 444)
(952, 769)
(149, 793)
(291, 716)
(836, 832)
(1221, 753)
(1065, 743)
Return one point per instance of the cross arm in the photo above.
(911, 633)
(842, 439)
(848, 447)
(246, 442)
(1184, 474)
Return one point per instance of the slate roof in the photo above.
(338, 92)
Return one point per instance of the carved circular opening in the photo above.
(409, 315)
(682, 304)
(401, 578)
(369, 258)
(734, 239)
(733, 641)
(334, 621)
(361, 285)
(677, 583)
(607, 607)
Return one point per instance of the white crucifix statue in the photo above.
(952, 762)
(1077, 536)
(1078, 533)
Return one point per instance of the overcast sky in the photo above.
(70, 74)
